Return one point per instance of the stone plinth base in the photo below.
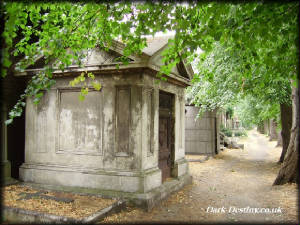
(144, 200)
(114, 180)
(143, 188)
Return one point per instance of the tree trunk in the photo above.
(279, 140)
(289, 171)
(286, 124)
(260, 127)
(273, 132)
(266, 127)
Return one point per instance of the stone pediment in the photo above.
(181, 69)
(95, 56)
(99, 57)
(151, 57)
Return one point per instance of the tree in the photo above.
(216, 84)
(260, 38)
(62, 32)
(254, 49)
(252, 111)
(289, 171)
(223, 82)
(286, 124)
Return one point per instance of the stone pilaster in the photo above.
(4, 164)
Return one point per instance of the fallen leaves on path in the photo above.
(82, 206)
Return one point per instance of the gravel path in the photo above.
(231, 181)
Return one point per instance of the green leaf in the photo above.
(84, 91)
(36, 101)
(91, 75)
(39, 95)
(81, 97)
(6, 62)
(97, 86)
(3, 72)
(9, 121)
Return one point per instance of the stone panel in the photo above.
(181, 120)
(123, 120)
(79, 125)
(149, 102)
(41, 124)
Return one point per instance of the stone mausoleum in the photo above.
(126, 138)
(202, 134)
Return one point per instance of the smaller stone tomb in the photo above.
(202, 134)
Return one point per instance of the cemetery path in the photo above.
(235, 179)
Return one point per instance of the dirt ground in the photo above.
(234, 179)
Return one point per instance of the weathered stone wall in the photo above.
(200, 133)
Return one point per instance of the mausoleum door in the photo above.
(165, 134)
